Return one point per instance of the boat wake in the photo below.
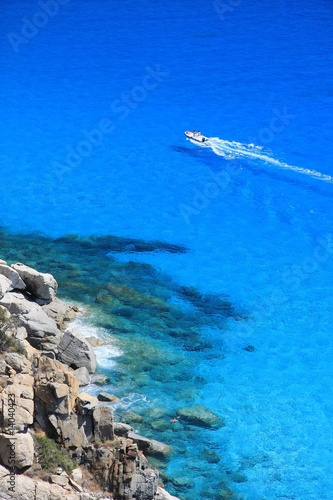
(236, 151)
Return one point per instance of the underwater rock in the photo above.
(160, 425)
(40, 285)
(133, 298)
(201, 416)
(237, 477)
(211, 457)
(99, 379)
(129, 417)
(119, 244)
(249, 348)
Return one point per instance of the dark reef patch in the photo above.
(160, 327)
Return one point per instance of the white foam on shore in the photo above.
(106, 352)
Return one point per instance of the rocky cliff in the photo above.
(55, 441)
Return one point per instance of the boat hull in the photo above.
(199, 138)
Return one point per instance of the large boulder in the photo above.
(149, 446)
(106, 397)
(42, 330)
(103, 422)
(76, 352)
(82, 375)
(18, 447)
(61, 312)
(5, 285)
(55, 387)
(161, 494)
(43, 286)
(13, 276)
(201, 416)
(122, 429)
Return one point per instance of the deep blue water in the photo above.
(254, 206)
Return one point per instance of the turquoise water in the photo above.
(95, 103)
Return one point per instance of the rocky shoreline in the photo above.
(43, 364)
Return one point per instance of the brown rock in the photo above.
(103, 422)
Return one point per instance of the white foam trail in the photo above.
(234, 150)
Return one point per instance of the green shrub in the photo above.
(7, 343)
(51, 455)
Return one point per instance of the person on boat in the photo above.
(194, 133)
(199, 133)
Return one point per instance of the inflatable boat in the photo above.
(196, 137)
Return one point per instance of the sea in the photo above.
(95, 98)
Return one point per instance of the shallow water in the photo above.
(252, 210)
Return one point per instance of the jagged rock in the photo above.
(143, 485)
(18, 397)
(21, 333)
(58, 479)
(201, 416)
(103, 422)
(25, 488)
(75, 485)
(5, 285)
(122, 429)
(60, 312)
(41, 285)
(77, 475)
(18, 363)
(13, 276)
(42, 330)
(71, 430)
(161, 494)
(99, 379)
(86, 399)
(60, 390)
(82, 375)
(5, 312)
(149, 446)
(75, 351)
(50, 377)
(105, 396)
(31, 351)
(18, 447)
(94, 341)
(3, 262)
